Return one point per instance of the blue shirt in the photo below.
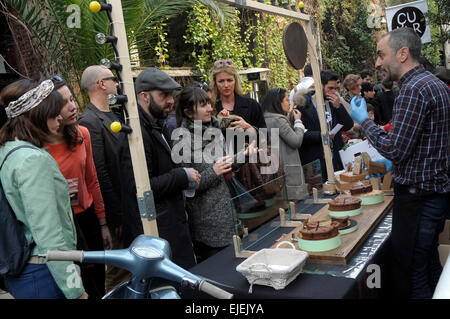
(419, 142)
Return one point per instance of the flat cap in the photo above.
(155, 79)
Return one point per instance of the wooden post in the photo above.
(320, 107)
(375, 181)
(387, 181)
(282, 216)
(315, 195)
(143, 189)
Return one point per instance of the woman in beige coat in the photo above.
(276, 107)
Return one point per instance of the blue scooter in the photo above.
(153, 274)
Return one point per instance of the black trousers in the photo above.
(90, 238)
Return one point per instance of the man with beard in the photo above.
(154, 90)
(419, 148)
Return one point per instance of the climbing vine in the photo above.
(161, 50)
(348, 43)
(249, 40)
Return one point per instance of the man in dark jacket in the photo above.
(384, 103)
(98, 81)
(154, 96)
(312, 148)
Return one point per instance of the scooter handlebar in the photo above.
(70, 255)
(214, 291)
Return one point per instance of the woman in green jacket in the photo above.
(37, 191)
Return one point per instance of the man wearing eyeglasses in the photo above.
(154, 90)
(98, 81)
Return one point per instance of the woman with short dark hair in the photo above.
(211, 214)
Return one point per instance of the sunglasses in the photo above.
(56, 78)
(203, 86)
(222, 63)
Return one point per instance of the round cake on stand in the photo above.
(343, 206)
(345, 225)
(367, 195)
(315, 238)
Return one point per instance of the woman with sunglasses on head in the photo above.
(210, 211)
(71, 147)
(276, 107)
(37, 191)
(227, 92)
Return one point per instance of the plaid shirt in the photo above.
(419, 143)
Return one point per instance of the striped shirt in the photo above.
(419, 143)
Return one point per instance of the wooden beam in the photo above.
(267, 8)
(320, 106)
(138, 160)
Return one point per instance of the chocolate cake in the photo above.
(340, 222)
(340, 204)
(321, 232)
(360, 189)
(310, 225)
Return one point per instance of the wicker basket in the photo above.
(274, 267)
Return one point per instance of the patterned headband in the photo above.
(29, 99)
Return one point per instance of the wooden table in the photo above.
(367, 221)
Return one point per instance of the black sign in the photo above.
(410, 17)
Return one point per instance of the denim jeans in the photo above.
(418, 218)
(426, 266)
(35, 282)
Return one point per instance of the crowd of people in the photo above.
(73, 187)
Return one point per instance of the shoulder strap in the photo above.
(15, 149)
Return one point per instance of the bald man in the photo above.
(98, 81)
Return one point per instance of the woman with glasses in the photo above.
(37, 191)
(70, 145)
(276, 108)
(227, 92)
(210, 211)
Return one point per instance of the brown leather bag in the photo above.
(251, 177)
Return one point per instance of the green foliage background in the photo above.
(195, 33)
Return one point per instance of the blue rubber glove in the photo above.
(358, 111)
(386, 163)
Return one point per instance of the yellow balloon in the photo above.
(95, 6)
(301, 4)
(116, 127)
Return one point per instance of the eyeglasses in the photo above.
(222, 63)
(113, 78)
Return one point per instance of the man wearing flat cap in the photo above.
(154, 90)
